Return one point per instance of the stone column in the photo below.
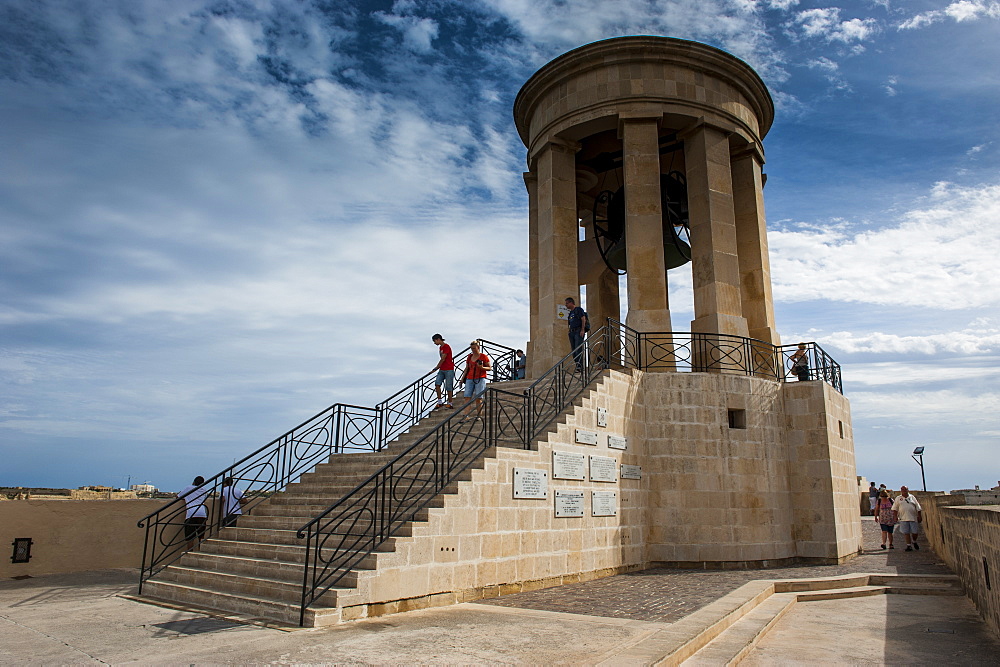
(531, 185)
(715, 267)
(751, 246)
(648, 310)
(558, 225)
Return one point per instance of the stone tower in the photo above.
(624, 112)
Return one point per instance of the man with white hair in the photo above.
(908, 514)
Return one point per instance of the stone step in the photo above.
(729, 647)
(251, 606)
(256, 567)
(287, 553)
(259, 587)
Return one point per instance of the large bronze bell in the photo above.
(609, 224)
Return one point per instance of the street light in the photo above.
(918, 456)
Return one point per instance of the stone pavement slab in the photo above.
(667, 595)
(80, 619)
(878, 630)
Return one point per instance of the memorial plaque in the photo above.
(586, 437)
(603, 469)
(531, 483)
(569, 504)
(566, 465)
(631, 472)
(604, 503)
(602, 416)
(617, 442)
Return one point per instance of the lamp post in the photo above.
(918, 456)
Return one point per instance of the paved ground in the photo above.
(900, 630)
(667, 595)
(80, 619)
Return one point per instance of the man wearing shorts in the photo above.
(445, 372)
(908, 514)
(474, 376)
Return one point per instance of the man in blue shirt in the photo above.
(577, 329)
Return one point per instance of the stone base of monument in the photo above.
(645, 469)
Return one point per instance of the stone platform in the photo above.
(84, 619)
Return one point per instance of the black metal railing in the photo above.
(818, 365)
(339, 429)
(343, 535)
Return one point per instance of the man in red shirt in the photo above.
(445, 372)
(474, 376)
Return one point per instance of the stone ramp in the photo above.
(725, 631)
(255, 569)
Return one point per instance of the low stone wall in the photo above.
(967, 538)
(73, 535)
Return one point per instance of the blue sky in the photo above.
(218, 218)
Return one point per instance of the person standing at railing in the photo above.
(232, 502)
(195, 510)
(445, 372)
(520, 365)
(800, 363)
(477, 364)
(577, 329)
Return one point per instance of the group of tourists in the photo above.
(473, 378)
(903, 512)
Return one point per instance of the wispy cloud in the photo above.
(961, 11)
(937, 255)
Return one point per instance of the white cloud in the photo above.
(927, 408)
(418, 33)
(550, 27)
(826, 24)
(940, 255)
(961, 11)
(967, 342)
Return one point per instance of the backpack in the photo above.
(587, 327)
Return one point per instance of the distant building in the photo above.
(143, 488)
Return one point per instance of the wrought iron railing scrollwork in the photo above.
(338, 429)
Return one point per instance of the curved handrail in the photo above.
(338, 429)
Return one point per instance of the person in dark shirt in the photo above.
(577, 330)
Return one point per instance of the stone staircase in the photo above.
(255, 568)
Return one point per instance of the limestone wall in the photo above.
(823, 475)
(709, 494)
(483, 542)
(73, 535)
(718, 494)
(967, 538)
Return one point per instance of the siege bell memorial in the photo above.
(644, 160)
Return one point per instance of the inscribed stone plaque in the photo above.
(569, 466)
(617, 442)
(586, 437)
(604, 503)
(631, 472)
(569, 503)
(603, 469)
(602, 416)
(531, 483)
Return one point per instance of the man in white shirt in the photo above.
(908, 514)
(195, 512)
(232, 502)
